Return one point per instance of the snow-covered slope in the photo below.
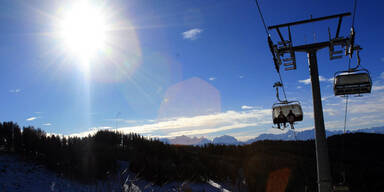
(17, 175)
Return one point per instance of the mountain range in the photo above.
(288, 135)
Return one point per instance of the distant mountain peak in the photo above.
(226, 139)
(287, 135)
(185, 140)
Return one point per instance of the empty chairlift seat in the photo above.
(285, 108)
(352, 82)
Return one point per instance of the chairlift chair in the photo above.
(285, 107)
(352, 82)
(290, 110)
(340, 188)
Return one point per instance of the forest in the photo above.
(267, 165)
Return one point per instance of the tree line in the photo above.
(260, 166)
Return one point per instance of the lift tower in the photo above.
(284, 53)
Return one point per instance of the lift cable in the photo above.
(262, 18)
(268, 34)
(349, 67)
(347, 97)
(346, 113)
(282, 87)
(354, 12)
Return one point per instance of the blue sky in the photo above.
(198, 68)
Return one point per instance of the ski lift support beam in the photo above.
(309, 20)
(324, 179)
(317, 46)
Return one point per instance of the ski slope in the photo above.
(18, 175)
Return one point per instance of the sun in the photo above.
(83, 29)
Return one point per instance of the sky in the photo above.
(171, 68)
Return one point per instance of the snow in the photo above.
(226, 139)
(216, 185)
(17, 175)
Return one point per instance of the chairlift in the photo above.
(340, 188)
(288, 109)
(356, 80)
(284, 112)
(352, 82)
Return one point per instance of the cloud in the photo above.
(250, 121)
(101, 128)
(212, 78)
(47, 124)
(382, 74)
(246, 107)
(378, 87)
(321, 78)
(305, 81)
(331, 111)
(126, 121)
(201, 124)
(15, 90)
(241, 76)
(192, 34)
(32, 118)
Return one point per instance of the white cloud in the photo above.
(331, 111)
(91, 131)
(246, 107)
(363, 112)
(47, 124)
(241, 76)
(192, 34)
(125, 121)
(32, 118)
(305, 81)
(378, 87)
(15, 90)
(202, 124)
(101, 128)
(212, 78)
(321, 78)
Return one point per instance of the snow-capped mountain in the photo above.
(185, 140)
(309, 134)
(226, 139)
(288, 135)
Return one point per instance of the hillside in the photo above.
(18, 174)
(261, 166)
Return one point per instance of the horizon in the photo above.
(211, 139)
(174, 68)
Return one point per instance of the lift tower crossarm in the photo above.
(309, 20)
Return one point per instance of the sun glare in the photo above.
(97, 38)
(83, 29)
